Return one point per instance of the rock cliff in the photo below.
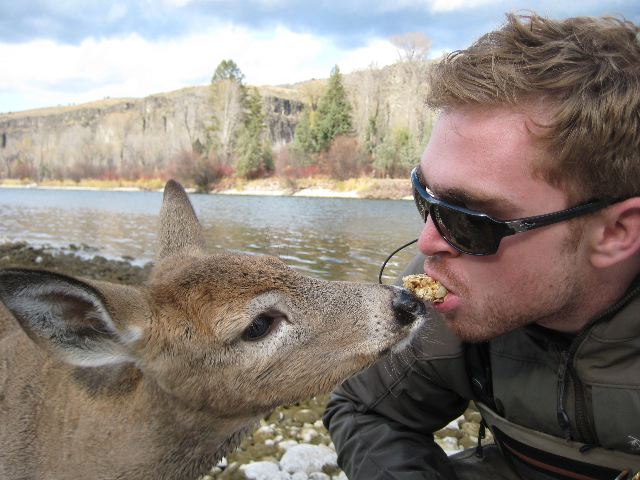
(123, 135)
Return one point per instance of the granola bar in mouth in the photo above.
(425, 287)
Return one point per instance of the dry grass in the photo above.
(141, 184)
(364, 187)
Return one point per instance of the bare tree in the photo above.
(367, 98)
(413, 48)
(228, 102)
(312, 91)
(227, 98)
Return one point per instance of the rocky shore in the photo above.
(291, 443)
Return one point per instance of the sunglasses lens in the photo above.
(470, 234)
(421, 205)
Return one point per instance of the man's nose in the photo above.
(430, 242)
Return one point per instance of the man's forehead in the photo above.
(484, 157)
(472, 122)
(481, 200)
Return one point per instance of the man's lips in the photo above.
(450, 302)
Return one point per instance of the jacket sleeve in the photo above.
(382, 420)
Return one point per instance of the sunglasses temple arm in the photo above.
(384, 264)
(530, 223)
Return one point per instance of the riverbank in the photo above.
(372, 188)
(291, 443)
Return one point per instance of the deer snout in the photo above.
(407, 307)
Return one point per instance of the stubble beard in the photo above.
(543, 302)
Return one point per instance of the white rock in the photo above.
(268, 429)
(264, 471)
(308, 458)
(456, 423)
(340, 476)
(448, 444)
(299, 476)
(39, 259)
(307, 434)
(319, 476)
(287, 444)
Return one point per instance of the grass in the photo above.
(365, 187)
(140, 184)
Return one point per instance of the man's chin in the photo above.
(470, 331)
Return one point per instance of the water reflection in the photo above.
(343, 239)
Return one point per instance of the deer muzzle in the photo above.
(407, 307)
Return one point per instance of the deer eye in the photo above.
(262, 325)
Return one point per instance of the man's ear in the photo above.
(71, 318)
(616, 237)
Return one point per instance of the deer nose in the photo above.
(407, 307)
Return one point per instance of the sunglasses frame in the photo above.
(501, 228)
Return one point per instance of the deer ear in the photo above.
(180, 229)
(67, 316)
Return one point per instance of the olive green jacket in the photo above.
(586, 389)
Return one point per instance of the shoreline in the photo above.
(379, 189)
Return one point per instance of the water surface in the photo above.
(338, 239)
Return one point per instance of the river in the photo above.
(330, 238)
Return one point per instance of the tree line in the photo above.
(370, 123)
(328, 140)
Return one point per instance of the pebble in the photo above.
(319, 476)
(261, 471)
(300, 447)
(305, 416)
(308, 458)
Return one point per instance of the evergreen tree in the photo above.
(334, 113)
(253, 152)
(228, 70)
(303, 139)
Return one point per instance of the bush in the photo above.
(396, 155)
(191, 167)
(345, 159)
(290, 162)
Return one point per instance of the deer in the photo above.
(162, 380)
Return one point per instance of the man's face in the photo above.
(483, 160)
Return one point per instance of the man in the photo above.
(539, 121)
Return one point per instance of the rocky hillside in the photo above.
(125, 133)
(142, 136)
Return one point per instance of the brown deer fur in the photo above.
(105, 381)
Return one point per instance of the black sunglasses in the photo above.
(477, 233)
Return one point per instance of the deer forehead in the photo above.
(223, 274)
(202, 290)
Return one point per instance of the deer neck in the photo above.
(190, 432)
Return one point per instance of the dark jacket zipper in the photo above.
(563, 417)
(566, 371)
(583, 419)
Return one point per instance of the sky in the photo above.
(66, 52)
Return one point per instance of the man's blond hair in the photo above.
(587, 70)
